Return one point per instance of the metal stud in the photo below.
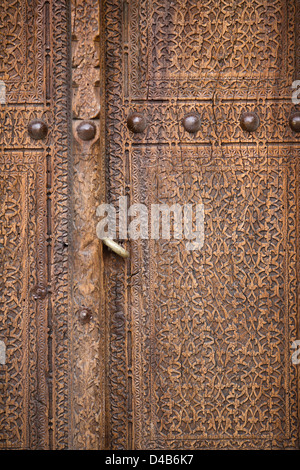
(249, 121)
(39, 292)
(191, 122)
(294, 122)
(136, 123)
(37, 129)
(85, 315)
(86, 130)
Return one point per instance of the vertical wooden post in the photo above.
(87, 332)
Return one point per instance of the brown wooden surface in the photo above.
(34, 225)
(200, 342)
(170, 349)
(87, 337)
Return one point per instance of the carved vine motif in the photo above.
(16, 204)
(85, 31)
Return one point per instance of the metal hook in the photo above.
(115, 247)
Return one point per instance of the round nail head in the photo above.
(295, 122)
(85, 315)
(39, 292)
(250, 121)
(136, 123)
(86, 130)
(191, 122)
(37, 129)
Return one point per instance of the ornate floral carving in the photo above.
(213, 328)
(20, 227)
(22, 29)
(197, 50)
(85, 75)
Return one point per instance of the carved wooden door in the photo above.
(171, 348)
(200, 341)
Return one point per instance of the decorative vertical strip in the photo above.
(87, 362)
(58, 251)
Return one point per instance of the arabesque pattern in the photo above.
(199, 49)
(214, 325)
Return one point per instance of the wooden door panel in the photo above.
(34, 225)
(22, 55)
(191, 49)
(212, 327)
(22, 229)
(199, 348)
